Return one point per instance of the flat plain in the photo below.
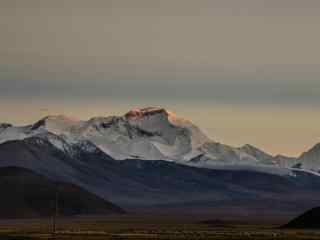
(147, 227)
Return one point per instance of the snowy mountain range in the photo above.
(154, 184)
(152, 134)
(152, 158)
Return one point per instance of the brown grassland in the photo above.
(145, 227)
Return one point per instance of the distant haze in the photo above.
(245, 71)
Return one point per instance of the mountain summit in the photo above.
(145, 112)
(151, 133)
(148, 133)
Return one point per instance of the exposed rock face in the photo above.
(146, 112)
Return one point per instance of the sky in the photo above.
(244, 71)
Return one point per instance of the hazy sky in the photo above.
(245, 71)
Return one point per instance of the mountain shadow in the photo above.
(26, 194)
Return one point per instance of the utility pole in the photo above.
(56, 210)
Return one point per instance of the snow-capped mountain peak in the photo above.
(153, 119)
(151, 133)
(254, 151)
(176, 137)
(310, 160)
(148, 133)
(154, 113)
(57, 124)
(315, 148)
(150, 119)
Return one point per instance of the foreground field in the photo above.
(144, 227)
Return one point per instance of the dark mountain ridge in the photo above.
(144, 183)
(26, 194)
(309, 219)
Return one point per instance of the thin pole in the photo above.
(56, 209)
